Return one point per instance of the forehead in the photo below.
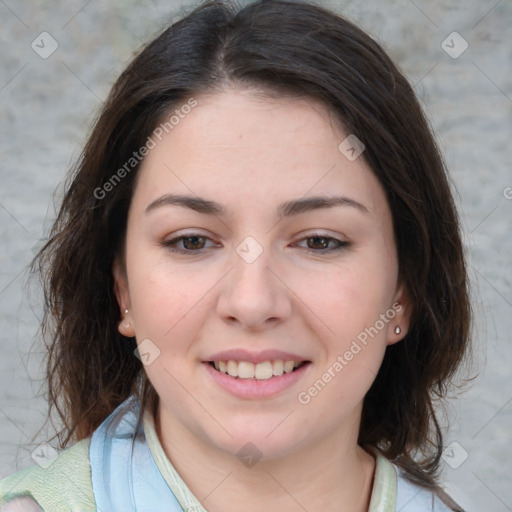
(248, 149)
(245, 121)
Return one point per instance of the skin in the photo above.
(24, 504)
(251, 153)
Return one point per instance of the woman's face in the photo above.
(253, 240)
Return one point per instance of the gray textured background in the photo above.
(46, 106)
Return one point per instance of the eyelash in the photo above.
(170, 244)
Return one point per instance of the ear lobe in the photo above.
(400, 323)
(125, 327)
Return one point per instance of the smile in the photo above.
(259, 371)
(256, 381)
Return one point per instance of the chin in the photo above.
(262, 440)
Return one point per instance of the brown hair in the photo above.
(284, 48)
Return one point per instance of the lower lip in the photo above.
(252, 388)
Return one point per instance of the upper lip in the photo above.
(255, 357)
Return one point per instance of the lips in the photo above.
(256, 374)
(253, 388)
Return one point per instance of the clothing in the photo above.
(118, 469)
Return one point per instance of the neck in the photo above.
(334, 473)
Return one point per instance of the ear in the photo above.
(402, 306)
(126, 326)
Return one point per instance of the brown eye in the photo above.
(323, 244)
(318, 242)
(194, 242)
(188, 244)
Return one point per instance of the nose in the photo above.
(254, 295)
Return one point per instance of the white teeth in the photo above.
(277, 367)
(263, 371)
(288, 366)
(246, 370)
(259, 371)
(233, 368)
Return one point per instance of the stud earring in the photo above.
(398, 330)
(126, 324)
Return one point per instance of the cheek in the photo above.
(168, 301)
(154, 295)
(347, 298)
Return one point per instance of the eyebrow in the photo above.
(286, 209)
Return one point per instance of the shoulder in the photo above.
(414, 498)
(64, 484)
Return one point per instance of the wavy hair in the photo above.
(284, 48)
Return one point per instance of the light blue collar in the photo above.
(124, 474)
